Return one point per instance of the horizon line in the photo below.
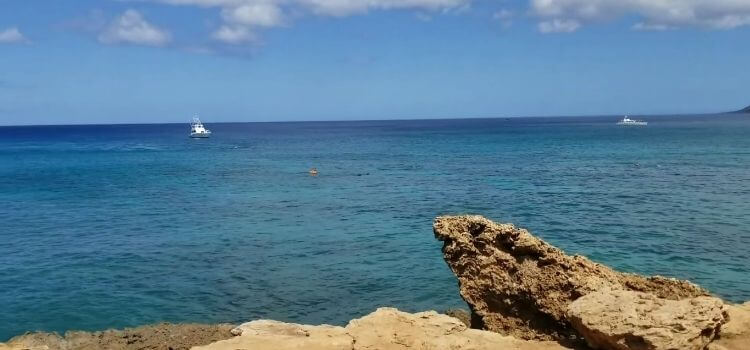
(373, 120)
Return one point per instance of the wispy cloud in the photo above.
(651, 27)
(132, 28)
(12, 36)
(559, 26)
(254, 15)
(654, 14)
(234, 35)
(242, 19)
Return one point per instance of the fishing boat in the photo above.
(633, 122)
(197, 130)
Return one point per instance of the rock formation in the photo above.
(163, 336)
(625, 320)
(385, 329)
(517, 284)
(735, 334)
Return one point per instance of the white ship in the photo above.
(197, 130)
(628, 121)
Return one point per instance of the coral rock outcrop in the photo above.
(517, 284)
(627, 320)
(384, 329)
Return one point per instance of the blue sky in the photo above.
(121, 61)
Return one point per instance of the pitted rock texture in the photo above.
(735, 334)
(627, 320)
(519, 285)
(384, 329)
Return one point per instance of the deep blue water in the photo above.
(113, 226)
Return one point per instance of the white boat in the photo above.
(197, 130)
(628, 121)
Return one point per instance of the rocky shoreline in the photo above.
(523, 293)
(159, 336)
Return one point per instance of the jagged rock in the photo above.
(627, 320)
(385, 329)
(735, 334)
(519, 285)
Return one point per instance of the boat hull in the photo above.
(200, 135)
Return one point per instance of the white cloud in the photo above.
(132, 28)
(559, 26)
(12, 36)
(261, 14)
(330, 7)
(243, 18)
(349, 7)
(234, 35)
(655, 14)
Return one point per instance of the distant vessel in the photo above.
(628, 121)
(197, 130)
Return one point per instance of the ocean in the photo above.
(122, 225)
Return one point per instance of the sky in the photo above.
(152, 61)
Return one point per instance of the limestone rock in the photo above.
(735, 334)
(264, 334)
(627, 320)
(385, 329)
(519, 285)
(163, 336)
(318, 342)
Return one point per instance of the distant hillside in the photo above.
(744, 110)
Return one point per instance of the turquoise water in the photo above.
(113, 226)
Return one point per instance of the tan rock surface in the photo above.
(385, 329)
(627, 320)
(264, 334)
(735, 334)
(519, 285)
(155, 337)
